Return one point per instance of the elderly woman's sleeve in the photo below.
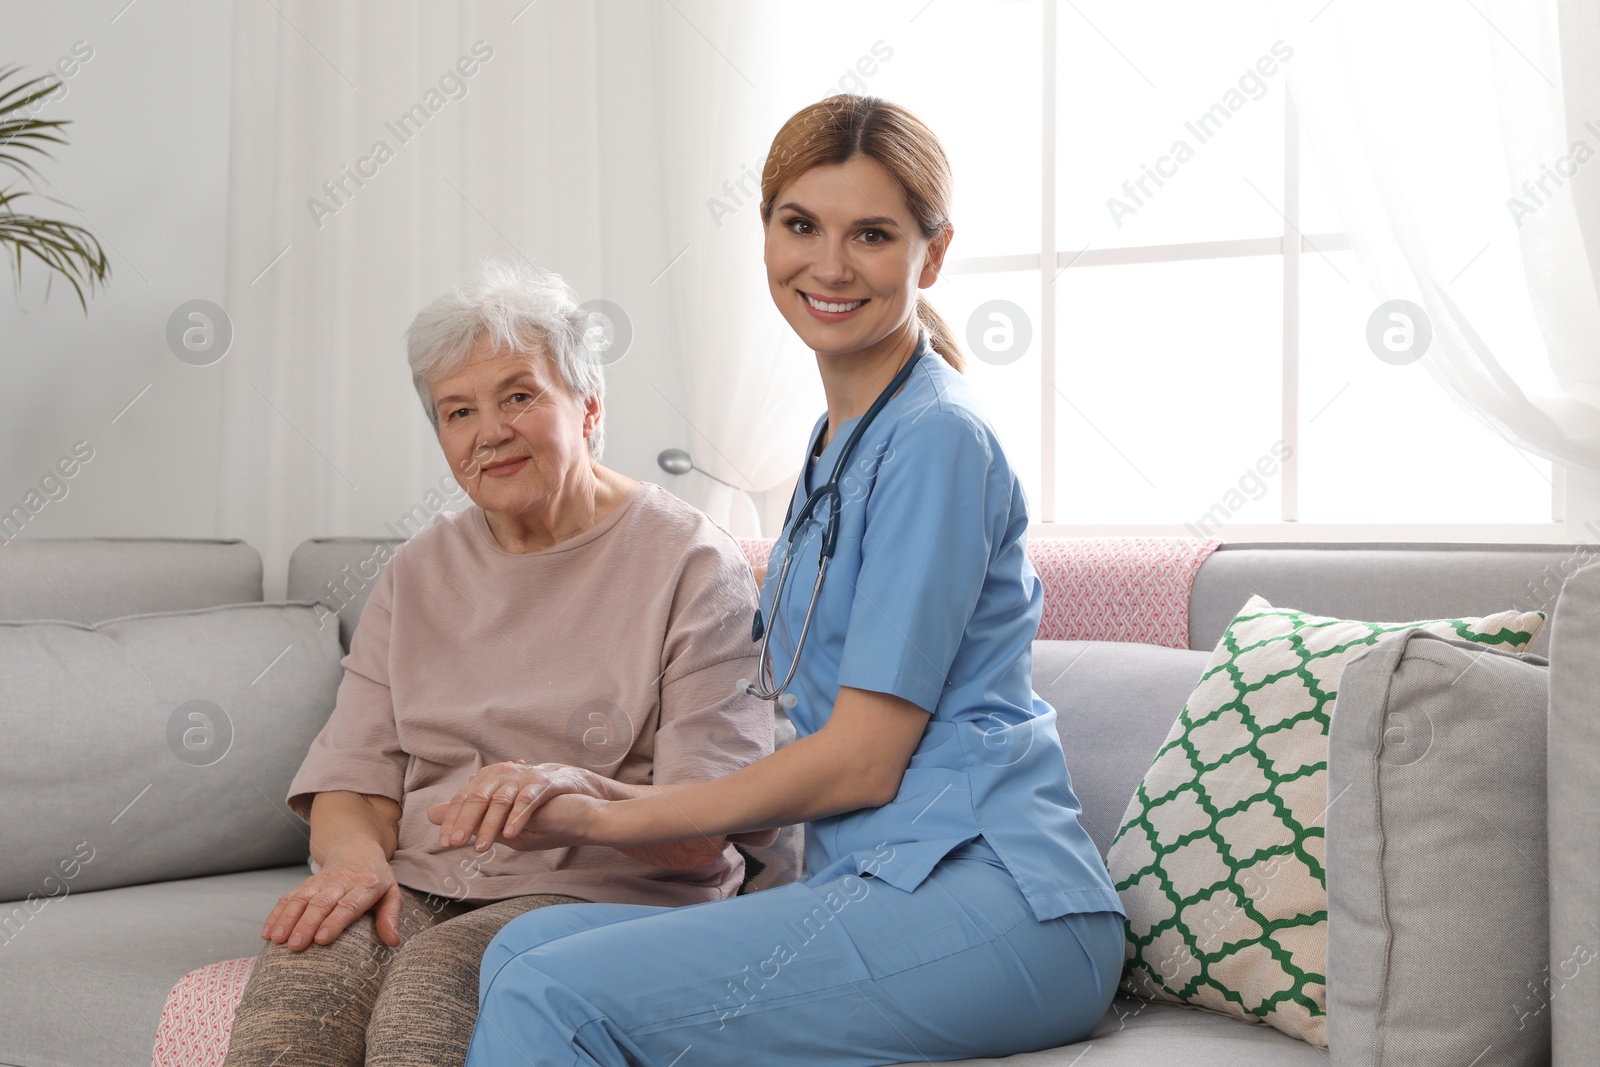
(358, 748)
(707, 729)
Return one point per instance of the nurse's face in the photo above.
(845, 256)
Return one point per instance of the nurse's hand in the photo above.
(551, 805)
(572, 819)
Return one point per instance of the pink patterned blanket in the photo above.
(1103, 588)
(1095, 589)
(198, 1015)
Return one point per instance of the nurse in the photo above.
(954, 907)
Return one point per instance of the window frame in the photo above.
(1292, 245)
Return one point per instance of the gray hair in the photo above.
(518, 307)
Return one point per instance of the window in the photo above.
(1137, 206)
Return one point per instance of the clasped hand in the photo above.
(552, 805)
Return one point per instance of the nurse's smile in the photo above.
(830, 310)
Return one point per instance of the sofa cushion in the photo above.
(1140, 1033)
(1436, 856)
(1379, 580)
(1572, 983)
(113, 956)
(338, 573)
(1114, 704)
(1220, 857)
(91, 579)
(90, 972)
(156, 746)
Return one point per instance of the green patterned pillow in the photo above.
(1219, 860)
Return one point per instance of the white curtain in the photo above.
(588, 138)
(1461, 139)
(750, 390)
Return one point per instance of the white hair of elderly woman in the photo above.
(519, 307)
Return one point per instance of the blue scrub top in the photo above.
(930, 596)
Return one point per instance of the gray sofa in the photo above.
(145, 763)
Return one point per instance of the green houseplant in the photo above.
(64, 248)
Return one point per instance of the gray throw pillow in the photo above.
(1572, 983)
(1437, 891)
(153, 747)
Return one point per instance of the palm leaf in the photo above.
(21, 132)
(63, 247)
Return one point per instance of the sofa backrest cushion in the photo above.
(1352, 580)
(338, 573)
(1114, 705)
(91, 579)
(156, 747)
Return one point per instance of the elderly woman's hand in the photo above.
(349, 884)
(497, 801)
(511, 802)
(576, 819)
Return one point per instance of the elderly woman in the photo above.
(571, 616)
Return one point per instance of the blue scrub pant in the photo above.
(851, 971)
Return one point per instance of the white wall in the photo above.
(146, 169)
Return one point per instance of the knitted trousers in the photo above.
(358, 1001)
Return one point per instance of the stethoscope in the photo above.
(793, 524)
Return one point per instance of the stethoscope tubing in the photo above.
(793, 525)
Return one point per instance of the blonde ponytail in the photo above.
(940, 335)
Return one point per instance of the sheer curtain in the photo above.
(1460, 139)
(370, 170)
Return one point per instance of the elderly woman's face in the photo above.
(514, 434)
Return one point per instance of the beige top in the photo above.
(616, 650)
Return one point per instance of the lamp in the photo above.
(677, 461)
